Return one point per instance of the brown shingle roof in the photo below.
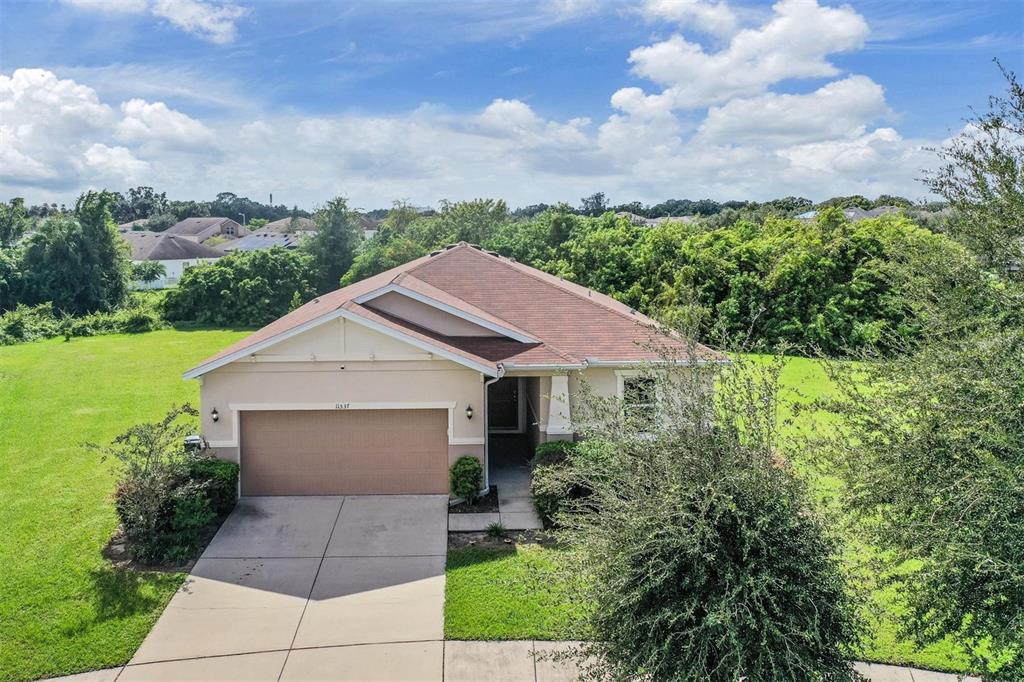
(285, 225)
(204, 228)
(162, 246)
(574, 325)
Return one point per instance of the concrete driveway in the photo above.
(346, 588)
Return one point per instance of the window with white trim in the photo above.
(639, 394)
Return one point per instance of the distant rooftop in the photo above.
(162, 246)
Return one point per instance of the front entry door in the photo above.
(503, 409)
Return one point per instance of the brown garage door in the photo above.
(344, 452)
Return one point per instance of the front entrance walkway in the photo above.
(509, 469)
(290, 588)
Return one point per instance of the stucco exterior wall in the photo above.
(173, 272)
(330, 367)
(428, 316)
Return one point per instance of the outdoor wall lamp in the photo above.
(469, 411)
(214, 414)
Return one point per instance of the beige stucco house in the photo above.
(378, 387)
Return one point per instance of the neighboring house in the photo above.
(369, 225)
(641, 221)
(296, 224)
(265, 240)
(379, 387)
(175, 253)
(854, 213)
(201, 229)
(134, 224)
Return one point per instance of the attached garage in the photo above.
(344, 452)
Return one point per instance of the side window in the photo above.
(640, 400)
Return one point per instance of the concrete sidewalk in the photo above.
(435, 661)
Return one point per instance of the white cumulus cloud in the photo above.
(715, 18)
(794, 43)
(156, 123)
(838, 110)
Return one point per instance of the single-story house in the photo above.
(175, 253)
(368, 225)
(201, 229)
(264, 240)
(297, 224)
(379, 387)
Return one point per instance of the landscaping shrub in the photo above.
(167, 498)
(552, 452)
(551, 485)
(220, 478)
(467, 478)
(704, 555)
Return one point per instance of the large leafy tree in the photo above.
(79, 263)
(385, 250)
(537, 240)
(933, 453)
(137, 203)
(245, 288)
(332, 247)
(10, 279)
(14, 221)
(982, 178)
(474, 222)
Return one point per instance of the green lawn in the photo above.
(524, 592)
(62, 609)
(496, 593)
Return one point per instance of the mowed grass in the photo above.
(62, 608)
(497, 594)
(523, 591)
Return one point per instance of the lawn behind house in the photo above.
(62, 608)
(513, 584)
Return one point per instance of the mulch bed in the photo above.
(508, 541)
(484, 505)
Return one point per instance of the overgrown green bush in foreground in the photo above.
(704, 556)
(166, 497)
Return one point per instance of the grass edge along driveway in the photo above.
(62, 608)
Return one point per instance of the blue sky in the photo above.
(527, 101)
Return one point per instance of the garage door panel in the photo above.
(344, 452)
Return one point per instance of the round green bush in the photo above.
(467, 478)
(552, 452)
